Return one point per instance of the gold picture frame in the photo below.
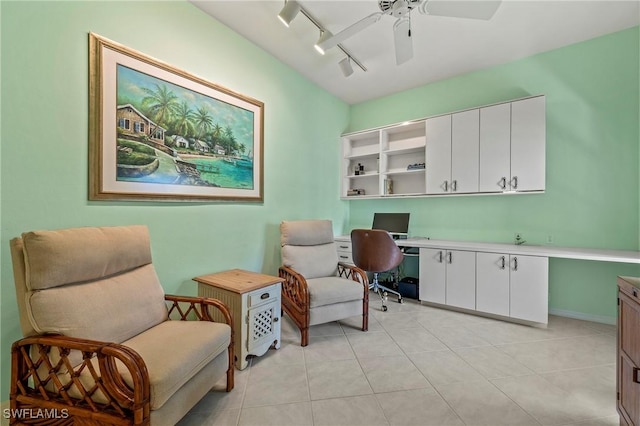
(158, 133)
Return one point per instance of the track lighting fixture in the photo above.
(345, 66)
(289, 12)
(326, 40)
(324, 36)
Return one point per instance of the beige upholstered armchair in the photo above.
(317, 288)
(103, 343)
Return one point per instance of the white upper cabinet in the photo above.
(498, 148)
(465, 151)
(512, 146)
(495, 151)
(528, 137)
(438, 156)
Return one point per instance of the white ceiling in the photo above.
(443, 46)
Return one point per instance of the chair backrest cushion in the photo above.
(308, 247)
(92, 283)
(68, 256)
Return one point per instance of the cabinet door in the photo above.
(432, 275)
(465, 154)
(461, 279)
(628, 357)
(529, 288)
(495, 151)
(629, 388)
(492, 283)
(528, 137)
(438, 154)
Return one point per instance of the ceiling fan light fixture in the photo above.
(321, 45)
(289, 12)
(345, 66)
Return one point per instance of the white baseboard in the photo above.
(582, 316)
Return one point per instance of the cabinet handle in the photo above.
(450, 257)
(515, 263)
(446, 186)
(503, 183)
(440, 253)
(503, 263)
(454, 186)
(264, 296)
(635, 293)
(344, 247)
(514, 182)
(276, 319)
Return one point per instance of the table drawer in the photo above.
(264, 295)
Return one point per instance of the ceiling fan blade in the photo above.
(349, 31)
(402, 38)
(470, 9)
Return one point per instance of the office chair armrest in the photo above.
(348, 271)
(294, 289)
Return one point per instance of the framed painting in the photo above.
(159, 133)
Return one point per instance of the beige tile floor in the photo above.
(419, 365)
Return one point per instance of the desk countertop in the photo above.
(621, 256)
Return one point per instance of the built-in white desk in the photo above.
(602, 255)
(504, 280)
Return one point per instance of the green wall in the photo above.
(44, 147)
(593, 186)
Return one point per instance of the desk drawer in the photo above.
(343, 246)
(345, 256)
(264, 295)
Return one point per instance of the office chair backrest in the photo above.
(374, 250)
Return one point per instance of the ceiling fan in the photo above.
(401, 10)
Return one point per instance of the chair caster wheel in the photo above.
(400, 300)
(384, 309)
(385, 296)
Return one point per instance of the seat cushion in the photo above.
(330, 290)
(175, 351)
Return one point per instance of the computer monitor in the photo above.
(397, 224)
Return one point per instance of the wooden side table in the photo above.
(254, 302)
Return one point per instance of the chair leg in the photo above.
(377, 289)
(388, 290)
(305, 336)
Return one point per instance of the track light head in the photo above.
(320, 45)
(345, 66)
(289, 12)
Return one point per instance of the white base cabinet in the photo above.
(513, 286)
(529, 287)
(448, 277)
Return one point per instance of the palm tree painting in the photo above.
(170, 134)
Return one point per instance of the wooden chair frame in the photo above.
(33, 375)
(295, 296)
